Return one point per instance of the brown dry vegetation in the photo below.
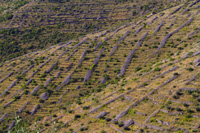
(158, 92)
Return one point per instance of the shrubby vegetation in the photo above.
(16, 42)
(6, 17)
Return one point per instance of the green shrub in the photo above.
(145, 84)
(176, 74)
(168, 102)
(153, 120)
(115, 122)
(108, 119)
(102, 131)
(157, 69)
(128, 88)
(126, 128)
(175, 97)
(178, 109)
(41, 101)
(198, 100)
(137, 69)
(185, 105)
(102, 117)
(190, 69)
(86, 107)
(46, 124)
(190, 111)
(121, 124)
(198, 109)
(77, 116)
(71, 111)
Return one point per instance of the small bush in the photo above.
(115, 122)
(137, 69)
(168, 102)
(102, 131)
(145, 84)
(108, 119)
(77, 116)
(195, 96)
(26, 92)
(121, 124)
(179, 93)
(126, 128)
(128, 88)
(178, 109)
(198, 100)
(198, 109)
(46, 124)
(41, 101)
(185, 105)
(153, 120)
(102, 117)
(175, 97)
(54, 115)
(169, 107)
(176, 74)
(190, 111)
(71, 111)
(86, 107)
(190, 69)
(157, 69)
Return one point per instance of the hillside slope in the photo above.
(141, 77)
(26, 26)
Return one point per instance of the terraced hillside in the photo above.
(141, 77)
(28, 25)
